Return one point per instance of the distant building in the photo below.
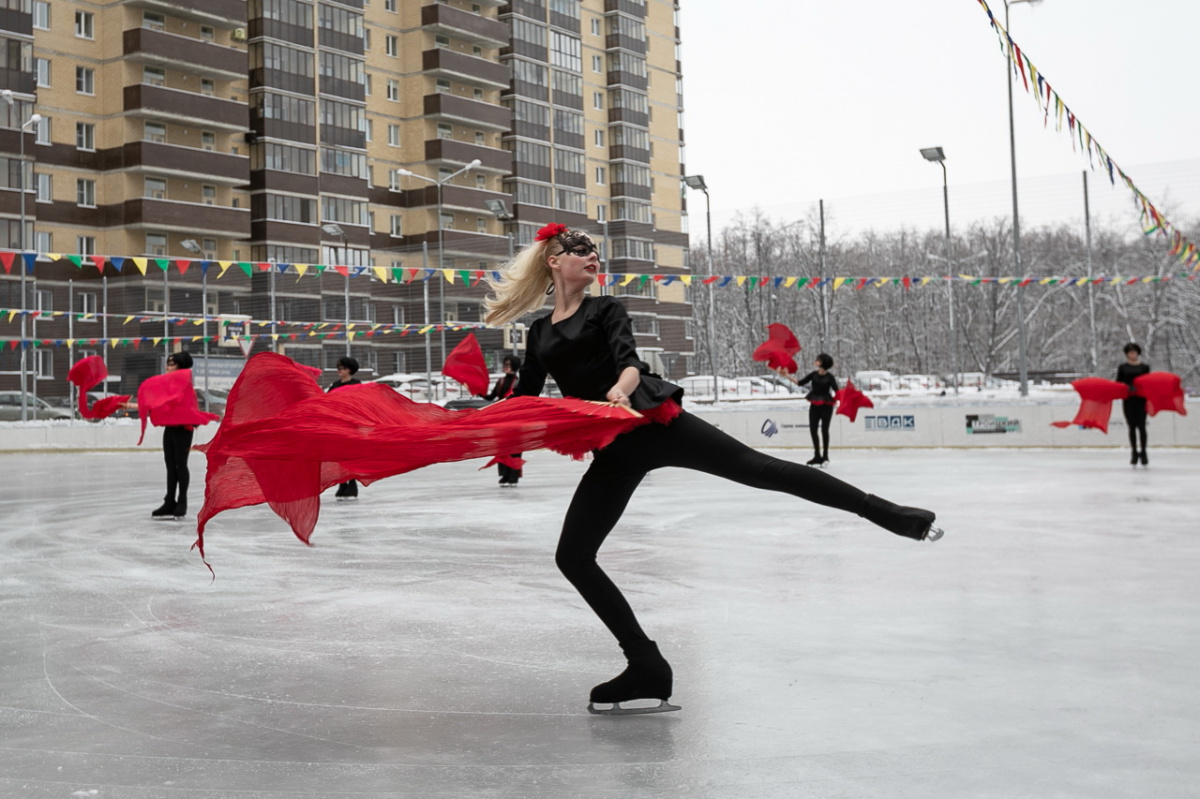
(271, 132)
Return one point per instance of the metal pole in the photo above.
(204, 323)
(441, 283)
(1091, 290)
(166, 313)
(24, 296)
(428, 344)
(271, 293)
(1022, 364)
(104, 321)
(347, 293)
(712, 308)
(71, 339)
(824, 287)
(950, 279)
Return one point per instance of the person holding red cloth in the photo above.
(821, 398)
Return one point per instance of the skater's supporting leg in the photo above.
(814, 425)
(177, 442)
(825, 416)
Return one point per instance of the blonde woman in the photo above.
(586, 344)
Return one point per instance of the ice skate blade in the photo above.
(616, 710)
(934, 534)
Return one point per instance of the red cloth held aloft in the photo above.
(466, 365)
(86, 373)
(778, 349)
(169, 400)
(1096, 396)
(283, 441)
(850, 399)
(510, 461)
(1163, 392)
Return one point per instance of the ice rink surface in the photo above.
(426, 646)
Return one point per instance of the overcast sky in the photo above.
(788, 101)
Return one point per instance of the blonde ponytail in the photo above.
(521, 287)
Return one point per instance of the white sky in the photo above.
(788, 101)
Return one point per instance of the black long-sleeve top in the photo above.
(824, 386)
(586, 353)
(503, 387)
(1126, 373)
(354, 381)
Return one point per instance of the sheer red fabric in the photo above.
(1096, 397)
(778, 349)
(1163, 392)
(88, 372)
(850, 400)
(283, 441)
(170, 399)
(465, 364)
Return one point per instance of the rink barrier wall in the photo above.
(762, 425)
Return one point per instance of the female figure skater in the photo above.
(586, 344)
(347, 367)
(1134, 406)
(504, 388)
(821, 403)
(177, 443)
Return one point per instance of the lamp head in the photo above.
(475, 164)
(933, 154)
(498, 209)
(333, 230)
(8, 96)
(696, 182)
(404, 173)
(191, 245)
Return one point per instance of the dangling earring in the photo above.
(549, 289)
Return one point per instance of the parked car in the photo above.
(417, 386)
(35, 408)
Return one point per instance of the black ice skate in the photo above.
(180, 509)
(1142, 457)
(915, 523)
(815, 460)
(648, 676)
(166, 511)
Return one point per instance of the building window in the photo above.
(477, 94)
(151, 19)
(87, 304)
(41, 131)
(600, 175)
(42, 67)
(85, 136)
(480, 182)
(389, 5)
(210, 248)
(155, 188)
(598, 100)
(45, 187)
(207, 87)
(391, 45)
(393, 89)
(443, 86)
(480, 138)
(156, 132)
(44, 361)
(43, 240)
(154, 76)
(85, 193)
(598, 137)
(85, 80)
(595, 26)
(441, 42)
(397, 223)
(445, 130)
(85, 245)
(156, 244)
(208, 140)
(209, 194)
(85, 25)
(393, 135)
(41, 15)
(207, 33)
(597, 63)
(480, 225)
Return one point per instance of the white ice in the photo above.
(426, 646)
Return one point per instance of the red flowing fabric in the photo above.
(169, 399)
(86, 373)
(466, 365)
(1096, 398)
(1163, 392)
(778, 349)
(850, 400)
(283, 441)
(505, 460)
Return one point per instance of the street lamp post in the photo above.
(336, 230)
(34, 119)
(1022, 363)
(938, 156)
(439, 182)
(192, 246)
(502, 214)
(697, 182)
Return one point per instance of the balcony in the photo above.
(629, 190)
(615, 41)
(633, 8)
(461, 24)
(620, 78)
(460, 153)
(219, 13)
(468, 68)
(172, 104)
(462, 198)
(175, 161)
(469, 112)
(185, 53)
(179, 217)
(639, 118)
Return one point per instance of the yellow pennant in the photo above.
(381, 272)
(224, 266)
(140, 263)
(274, 337)
(113, 342)
(128, 319)
(628, 279)
(301, 269)
(685, 280)
(741, 280)
(449, 275)
(838, 281)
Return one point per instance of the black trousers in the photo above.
(1134, 409)
(177, 442)
(347, 489)
(688, 442)
(819, 416)
(507, 473)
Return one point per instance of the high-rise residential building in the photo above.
(265, 139)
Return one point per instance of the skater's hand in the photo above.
(617, 396)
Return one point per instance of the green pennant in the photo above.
(76, 259)
(320, 268)
(398, 274)
(247, 268)
(644, 280)
(465, 276)
(752, 282)
(162, 263)
(801, 282)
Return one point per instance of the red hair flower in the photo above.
(550, 231)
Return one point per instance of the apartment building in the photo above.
(285, 134)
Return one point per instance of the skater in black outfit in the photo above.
(177, 443)
(586, 344)
(504, 388)
(1133, 406)
(821, 405)
(347, 367)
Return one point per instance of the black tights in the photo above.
(617, 470)
(819, 416)
(177, 441)
(1135, 418)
